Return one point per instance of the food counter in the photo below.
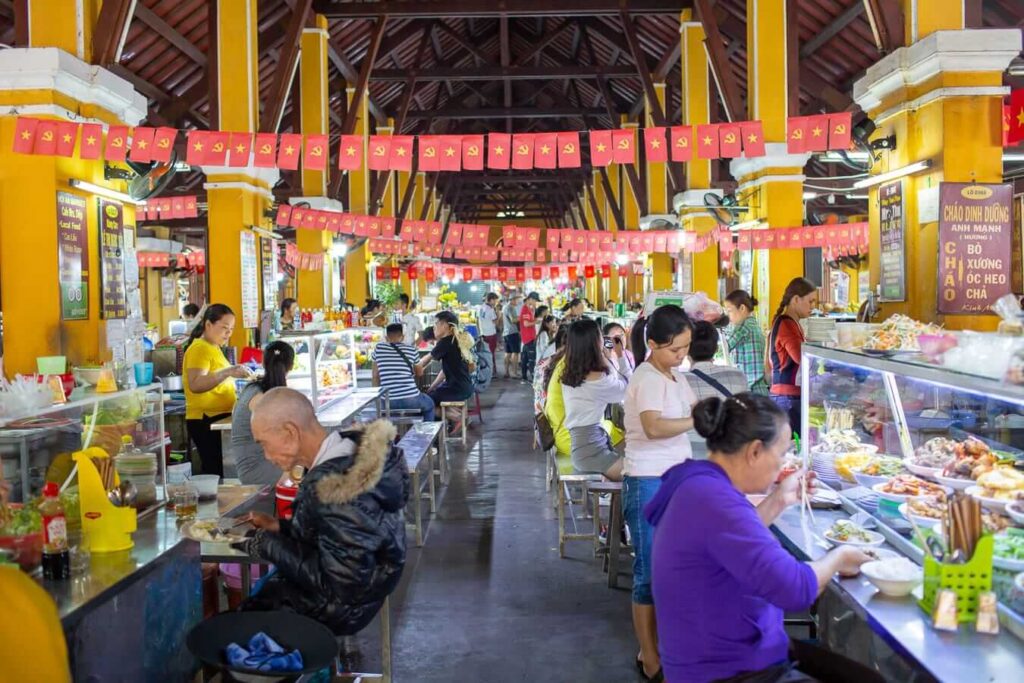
(898, 435)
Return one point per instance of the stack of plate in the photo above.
(824, 466)
(865, 498)
(819, 329)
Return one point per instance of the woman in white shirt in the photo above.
(593, 378)
(546, 338)
(658, 416)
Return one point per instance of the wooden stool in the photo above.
(614, 543)
(459, 406)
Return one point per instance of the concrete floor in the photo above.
(487, 597)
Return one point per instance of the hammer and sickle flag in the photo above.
(265, 150)
(523, 144)
(569, 150)
(315, 156)
(839, 130)
(380, 152)
(473, 152)
(796, 134)
(681, 142)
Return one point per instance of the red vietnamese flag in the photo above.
(428, 159)
(499, 151)
(681, 140)
(502, 273)
(486, 274)
(520, 274)
(569, 155)
(622, 143)
(117, 143)
(177, 207)
(467, 274)
(315, 156)
(284, 214)
(450, 153)
(387, 227)
(523, 150)
(729, 141)
(817, 134)
(796, 134)
(473, 152)
(573, 271)
(142, 145)
(265, 150)
(288, 152)
(241, 145)
(400, 154)
(600, 147)
(545, 153)
(163, 143)
(217, 153)
(655, 145)
(839, 130)
(67, 134)
(623, 271)
(537, 272)
(92, 141)
(350, 152)
(413, 272)
(429, 274)
(753, 138)
(1016, 132)
(606, 270)
(707, 141)
(46, 138)
(25, 134)
(554, 272)
(588, 271)
(379, 156)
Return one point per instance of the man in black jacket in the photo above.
(343, 550)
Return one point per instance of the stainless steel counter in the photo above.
(900, 623)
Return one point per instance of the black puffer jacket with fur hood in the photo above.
(343, 551)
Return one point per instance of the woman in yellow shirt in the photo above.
(210, 384)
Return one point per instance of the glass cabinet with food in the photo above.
(325, 365)
(364, 340)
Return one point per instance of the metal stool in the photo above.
(564, 499)
(614, 545)
(461, 407)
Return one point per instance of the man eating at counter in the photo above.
(343, 550)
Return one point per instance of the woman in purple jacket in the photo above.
(721, 586)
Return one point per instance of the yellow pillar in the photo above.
(357, 283)
(313, 285)
(921, 18)
(29, 276)
(237, 197)
(658, 201)
(771, 185)
(943, 108)
(631, 215)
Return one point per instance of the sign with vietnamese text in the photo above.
(268, 258)
(111, 219)
(72, 256)
(893, 262)
(250, 281)
(975, 242)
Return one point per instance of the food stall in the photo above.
(326, 364)
(903, 439)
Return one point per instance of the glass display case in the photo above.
(325, 364)
(364, 340)
(37, 447)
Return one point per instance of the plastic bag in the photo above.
(699, 307)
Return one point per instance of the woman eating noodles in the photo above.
(722, 585)
(592, 378)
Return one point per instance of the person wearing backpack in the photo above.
(395, 369)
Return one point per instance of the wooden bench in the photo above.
(612, 548)
(418, 446)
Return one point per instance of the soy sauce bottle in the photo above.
(56, 558)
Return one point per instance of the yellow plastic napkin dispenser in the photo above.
(106, 528)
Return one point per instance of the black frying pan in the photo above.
(208, 640)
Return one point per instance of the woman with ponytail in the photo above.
(252, 464)
(455, 352)
(722, 581)
(784, 344)
(745, 339)
(657, 418)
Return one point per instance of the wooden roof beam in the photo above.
(722, 72)
(284, 72)
(469, 113)
(832, 29)
(111, 30)
(156, 22)
(435, 9)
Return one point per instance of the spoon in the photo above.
(128, 494)
(114, 496)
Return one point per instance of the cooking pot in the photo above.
(171, 382)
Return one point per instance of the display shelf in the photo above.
(326, 363)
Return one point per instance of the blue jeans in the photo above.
(636, 493)
(422, 402)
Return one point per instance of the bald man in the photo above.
(343, 550)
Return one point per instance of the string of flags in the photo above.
(178, 206)
(433, 153)
(303, 260)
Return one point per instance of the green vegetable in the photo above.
(1010, 545)
(23, 521)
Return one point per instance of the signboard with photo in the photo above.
(112, 275)
(72, 256)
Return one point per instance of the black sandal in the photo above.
(658, 677)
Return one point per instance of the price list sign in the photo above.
(892, 264)
(975, 243)
(115, 304)
(250, 281)
(72, 256)
(268, 258)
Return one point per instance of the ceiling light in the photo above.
(893, 175)
(837, 158)
(266, 233)
(1013, 156)
(622, 259)
(749, 225)
(105, 192)
(855, 196)
(810, 195)
(339, 250)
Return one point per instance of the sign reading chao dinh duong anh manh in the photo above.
(975, 242)
(115, 302)
(72, 256)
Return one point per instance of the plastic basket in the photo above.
(966, 580)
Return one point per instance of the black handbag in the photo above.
(545, 432)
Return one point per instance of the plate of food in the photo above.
(904, 486)
(1008, 550)
(922, 511)
(877, 470)
(895, 577)
(955, 483)
(998, 487)
(845, 532)
(1016, 511)
(213, 531)
(932, 457)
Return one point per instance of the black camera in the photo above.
(609, 343)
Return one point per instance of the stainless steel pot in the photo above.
(171, 382)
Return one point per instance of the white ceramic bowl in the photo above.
(954, 483)
(891, 587)
(925, 472)
(90, 376)
(205, 485)
(876, 539)
(904, 509)
(1016, 511)
(869, 480)
(990, 503)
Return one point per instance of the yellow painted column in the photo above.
(357, 282)
(63, 24)
(631, 215)
(236, 197)
(696, 100)
(921, 18)
(658, 200)
(945, 109)
(313, 285)
(771, 185)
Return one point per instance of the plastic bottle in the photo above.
(56, 558)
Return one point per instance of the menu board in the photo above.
(111, 219)
(72, 256)
(268, 258)
(892, 263)
(250, 281)
(975, 244)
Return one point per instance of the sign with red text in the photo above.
(111, 218)
(72, 257)
(892, 262)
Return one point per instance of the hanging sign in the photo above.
(268, 260)
(975, 241)
(72, 256)
(111, 219)
(250, 281)
(168, 291)
(892, 264)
